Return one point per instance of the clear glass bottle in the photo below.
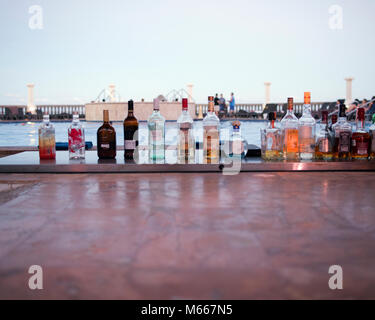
(343, 135)
(186, 141)
(324, 146)
(47, 143)
(76, 138)
(360, 138)
(271, 140)
(237, 145)
(211, 135)
(156, 134)
(289, 127)
(372, 134)
(306, 130)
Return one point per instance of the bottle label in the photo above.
(185, 125)
(344, 142)
(105, 145)
(130, 144)
(362, 148)
(324, 145)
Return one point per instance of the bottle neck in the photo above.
(360, 124)
(272, 124)
(46, 118)
(75, 118)
(307, 109)
(130, 113)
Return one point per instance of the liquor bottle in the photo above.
(333, 121)
(156, 134)
(360, 139)
(343, 134)
(47, 144)
(106, 139)
(289, 127)
(76, 138)
(130, 132)
(237, 145)
(372, 134)
(306, 130)
(271, 140)
(211, 135)
(186, 141)
(324, 145)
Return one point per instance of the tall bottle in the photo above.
(156, 134)
(289, 127)
(130, 132)
(324, 145)
(360, 139)
(343, 135)
(76, 138)
(372, 134)
(106, 139)
(306, 130)
(47, 144)
(211, 134)
(271, 144)
(186, 141)
(237, 144)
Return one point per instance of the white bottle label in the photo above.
(105, 145)
(130, 144)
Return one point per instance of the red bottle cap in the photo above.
(290, 103)
(185, 104)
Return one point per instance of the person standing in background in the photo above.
(232, 103)
(216, 104)
(222, 103)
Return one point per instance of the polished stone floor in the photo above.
(188, 236)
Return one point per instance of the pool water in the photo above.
(26, 134)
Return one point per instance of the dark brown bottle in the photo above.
(106, 139)
(130, 132)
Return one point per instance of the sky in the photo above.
(150, 47)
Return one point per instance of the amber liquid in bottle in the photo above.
(106, 139)
(130, 132)
(361, 140)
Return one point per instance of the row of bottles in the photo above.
(297, 139)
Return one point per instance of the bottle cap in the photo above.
(130, 105)
(210, 98)
(307, 98)
(236, 125)
(361, 114)
(271, 116)
(156, 104)
(185, 104)
(334, 118)
(325, 116)
(290, 103)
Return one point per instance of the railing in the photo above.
(62, 109)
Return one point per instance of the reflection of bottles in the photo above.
(306, 131)
(237, 145)
(130, 132)
(289, 126)
(156, 134)
(47, 144)
(372, 134)
(211, 136)
(343, 134)
(323, 148)
(186, 142)
(360, 139)
(106, 139)
(271, 140)
(76, 138)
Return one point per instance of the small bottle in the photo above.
(47, 143)
(289, 127)
(343, 135)
(76, 138)
(186, 141)
(324, 146)
(211, 135)
(156, 134)
(106, 139)
(130, 132)
(306, 130)
(237, 145)
(372, 134)
(271, 146)
(360, 139)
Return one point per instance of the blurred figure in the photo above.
(232, 103)
(222, 103)
(216, 104)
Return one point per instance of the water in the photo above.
(26, 134)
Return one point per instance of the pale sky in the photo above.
(149, 47)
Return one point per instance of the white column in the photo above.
(30, 98)
(349, 96)
(267, 99)
(190, 92)
(112, 92)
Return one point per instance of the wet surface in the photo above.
(202, 236)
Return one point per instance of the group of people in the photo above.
(369, 106)
(220, 104)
